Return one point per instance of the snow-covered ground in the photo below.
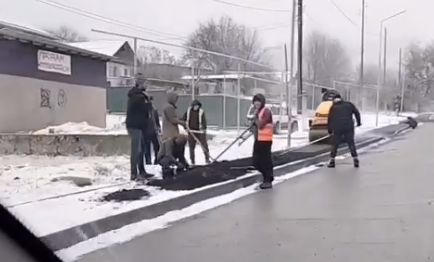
(29, 188)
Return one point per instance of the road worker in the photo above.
(263, 133)
(196, 121)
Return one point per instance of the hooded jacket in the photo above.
(266, 119)
(195, 119)
(139, 110)
(170, 120)
(340, 118)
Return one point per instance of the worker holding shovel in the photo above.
(196, 127)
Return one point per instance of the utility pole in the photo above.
(300, 58)
(135, 56)
(288, 97)
(400, 68)
(362, 57)
(289, 82)
(384, 57)
(294, 17)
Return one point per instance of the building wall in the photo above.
(22, 104)
(31, 99)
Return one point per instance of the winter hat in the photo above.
(337, 96)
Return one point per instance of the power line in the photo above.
(267, 27)
(106, 19)
(343, 13)
(251, 7)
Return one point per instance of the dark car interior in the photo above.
(19, 244)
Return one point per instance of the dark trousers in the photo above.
(148, 141)
(137, 150)
(341, 136)
(166, 163)
(262, 159)
(192, 146)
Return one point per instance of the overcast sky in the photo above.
(180, 17)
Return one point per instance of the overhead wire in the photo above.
(106, 19)
(251, 7)
(343, 13)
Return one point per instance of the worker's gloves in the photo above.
(330, 131)
(359, 124)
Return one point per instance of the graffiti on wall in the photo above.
(62, 98)
(45, 95)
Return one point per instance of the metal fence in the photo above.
(365, 99)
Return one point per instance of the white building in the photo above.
(120, 72)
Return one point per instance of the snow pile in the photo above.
(70, 128)
(28, 178)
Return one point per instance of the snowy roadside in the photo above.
(30, 178)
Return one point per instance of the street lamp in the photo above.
(379, 84)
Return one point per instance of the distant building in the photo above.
(45, 82)
(169, 71)
(216, 84)
(119, 72)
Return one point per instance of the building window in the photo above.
(126, 73)
(115, 71)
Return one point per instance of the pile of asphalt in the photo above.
(126, 195)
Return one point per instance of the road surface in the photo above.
(383, 211)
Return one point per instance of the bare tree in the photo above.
(419, 68)
(326, 59)
(227, 37)
(419, 75)
(153, 54)
(67, 34)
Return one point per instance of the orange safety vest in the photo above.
(266, 133)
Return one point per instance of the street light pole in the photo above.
(379, 62)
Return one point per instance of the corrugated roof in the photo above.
(14, 34)
(105, 47)
(26, 28)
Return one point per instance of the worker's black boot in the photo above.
(266, 185)
(356, 162)
(332, 163)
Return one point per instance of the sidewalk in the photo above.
(383, 211)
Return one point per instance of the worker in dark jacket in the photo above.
(341, 126)
(137, 122)
(171, 156)
(151, 136)
(195, 120)
(263, 133)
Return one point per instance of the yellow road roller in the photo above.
(318, 125)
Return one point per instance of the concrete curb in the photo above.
(74, 235)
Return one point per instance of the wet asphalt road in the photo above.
(383, 211)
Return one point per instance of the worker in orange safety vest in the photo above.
(263, 132)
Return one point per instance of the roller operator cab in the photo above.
(318, 125)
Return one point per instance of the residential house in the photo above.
(120, 72)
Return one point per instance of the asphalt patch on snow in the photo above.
(126, 195)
